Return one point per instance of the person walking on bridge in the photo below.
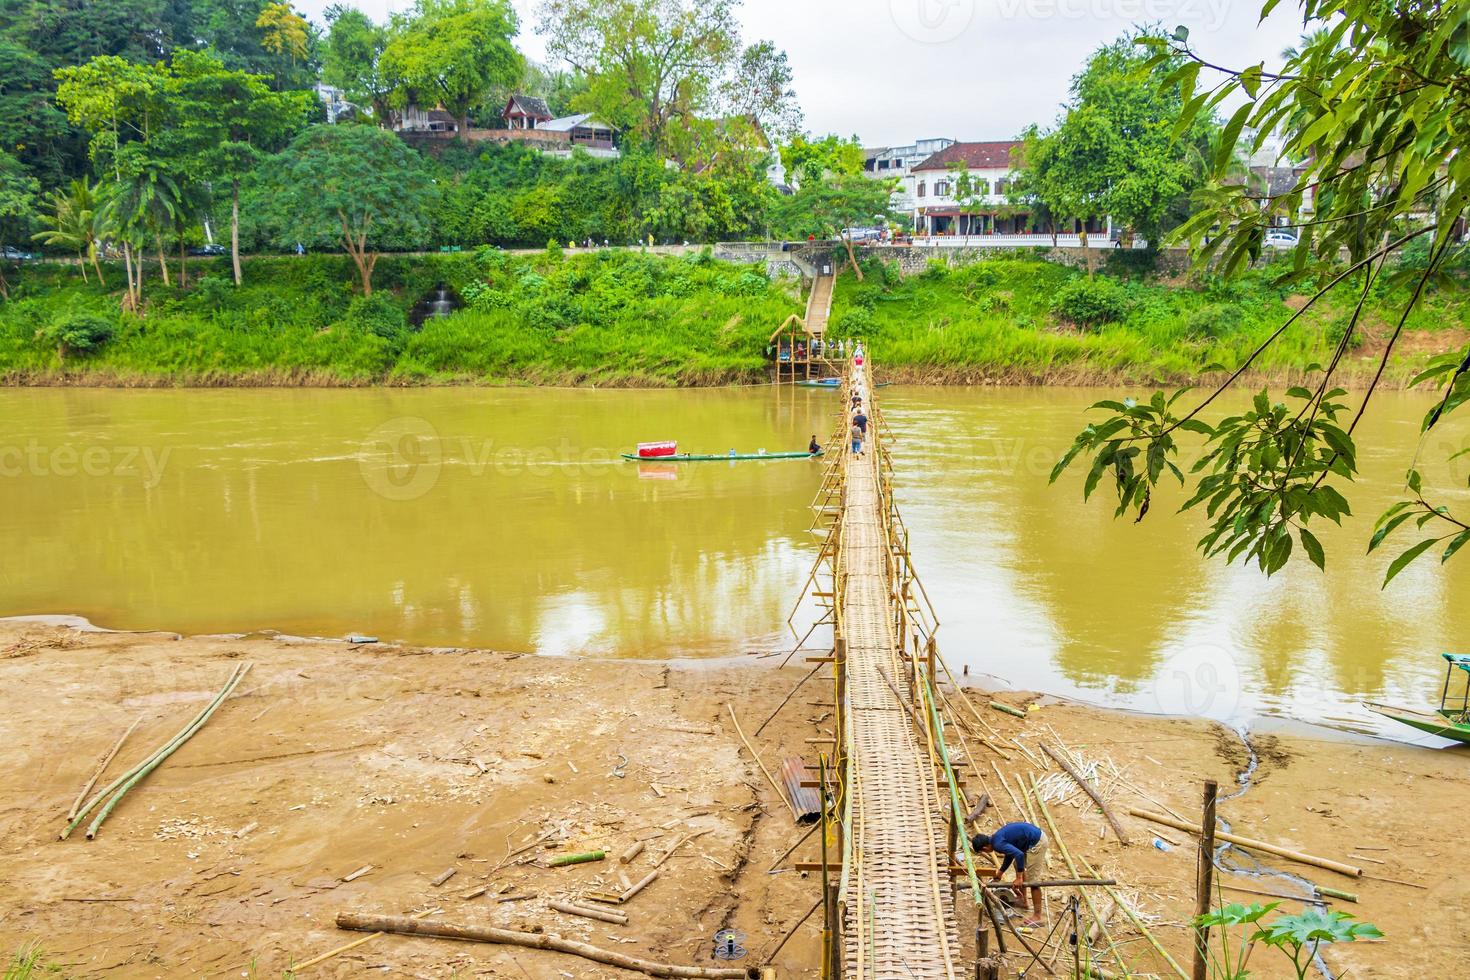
(1025, 845)
(857, 434)
(861, 421)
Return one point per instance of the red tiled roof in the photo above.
(977, 156)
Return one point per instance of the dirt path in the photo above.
(232, 855)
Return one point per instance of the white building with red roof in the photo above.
(944, 206)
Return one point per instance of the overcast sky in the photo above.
(892, 71)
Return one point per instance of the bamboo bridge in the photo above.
(902, 898)
(895, 801)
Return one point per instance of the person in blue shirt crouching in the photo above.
(1024, 845)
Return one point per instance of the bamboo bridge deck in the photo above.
(898, 915)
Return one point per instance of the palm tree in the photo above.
(141, 206)
(76, 222)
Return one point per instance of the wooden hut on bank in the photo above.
(798, 354)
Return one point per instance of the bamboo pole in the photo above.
(1255, 845)
(787, 699)
(641, 884)
(1072, 867)
(1137, 924)
(405, 926)
(167, 751)
(298, 967)
(101, 768)
(568, 908)
(1091, 791)
(792, 931)
(754, 754)
(182, 733)
(787, 853)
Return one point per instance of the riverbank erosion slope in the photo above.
(241, 849)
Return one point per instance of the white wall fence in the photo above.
(1032, 240)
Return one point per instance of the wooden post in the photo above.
(1204, 880)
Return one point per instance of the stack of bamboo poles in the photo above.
(119, 787)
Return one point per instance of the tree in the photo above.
(76, 222)
(1156, 164)
(1115, 151)
(351, 60)
(1070, 169)
(139, 207)
(358, 184)
(286, 32)
(759, 89)
(809, 161)
(227, 120)
(650, 64)
(31, 126)
(830, 207)
(1372, 105)
(245, 36)
(454, 52)
(17, 204)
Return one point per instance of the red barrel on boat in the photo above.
(654, 450)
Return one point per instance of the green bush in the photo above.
(1213, 321)
(935, 270)
(976, 278)
(993, 303)
(377, 315)
(1090, 302)
(1338, 326)
(855, 322)
(76, 331)
(747, 284)
(214, 292)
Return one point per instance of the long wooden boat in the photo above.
(1451, 719)
(1443, 723)
(831, 383)
(712, 458)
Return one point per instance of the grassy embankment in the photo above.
(624, 318)
(1003, 321)
(610, 318)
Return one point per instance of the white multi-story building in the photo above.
(940, 207)
(884, 162)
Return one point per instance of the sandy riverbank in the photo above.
(416, 761)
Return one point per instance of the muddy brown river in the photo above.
(505, 518)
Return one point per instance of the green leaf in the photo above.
(1402, 561)
(1313, 548)
(1455, 546)
(1385, 530)
(1250, 79)
(1230, 135)
(1195, 425)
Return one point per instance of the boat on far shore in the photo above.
(1451, 720)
